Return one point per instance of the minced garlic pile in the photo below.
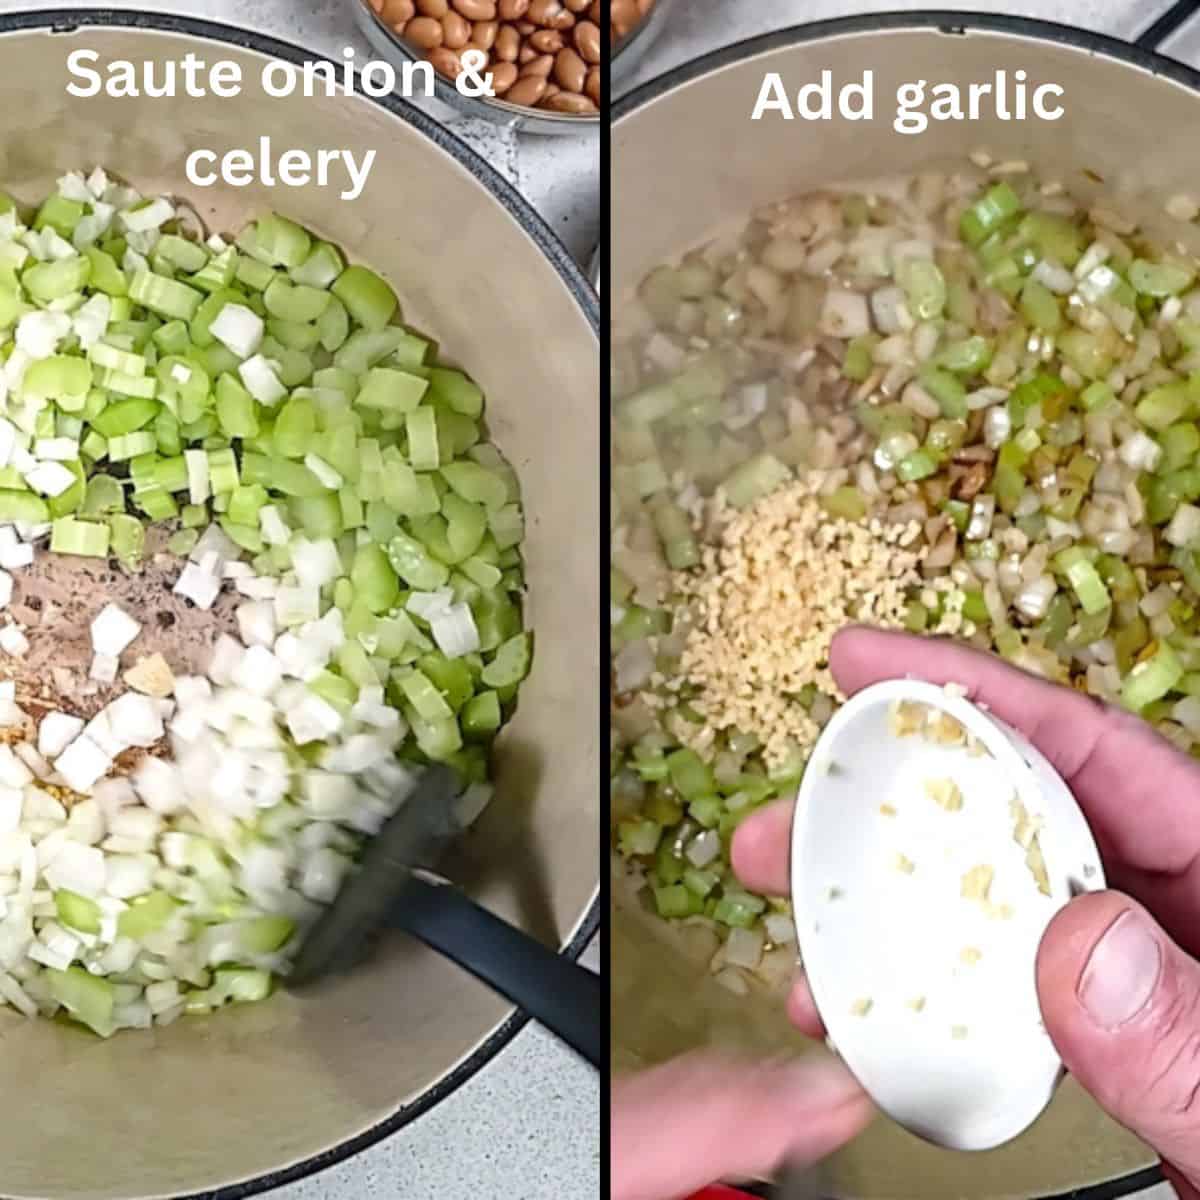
(782, 578)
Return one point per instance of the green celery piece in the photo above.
(387, 390)
(264, 935)
(48, 281)
(179, 254)
(238, 985)
(414, 565)
(457, 390)
(994, 209)
(166, 297)
(333, 325)
(253, 274)
(146, 914)
(1152, 678)
(106, 276)
(125, 416)
(278, 241)
(62, 378)
(510, 664)
(294, 335)
(86, 538)
(476, 483)
(374, 579)
(367, 297)
(466, 524)
(451, 677)
(322, 266)
(366, 348)
(237, 410)
(319, 516)
(481, 715)
(127, 538)
(426, 700)
(295, 428)
(60, 214)
(88, 998)
(421, 426)
(219, 272)
(438, 740)
(182, 542)
(295, 302)
(77, 912)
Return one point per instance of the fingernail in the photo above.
(820, 1083)
(1122, 972)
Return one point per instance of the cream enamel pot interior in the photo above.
(688, 161)
(255, 1097)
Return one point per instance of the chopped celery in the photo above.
(77, 912)
(1152, 677)
(994, 209)
(88, 998)
(368, 299)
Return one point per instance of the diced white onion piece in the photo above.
(313, 720)
(13, 641)
(258, 374)
(56, 732)
(316, 563)
(256, 622)
(427, 605)
(135, 720)
(844, 314)
(77, 868)
(49, 478)
(239, 329)
(11, 802)
(1184, 526)
(781, 929)
(38, 333)
(258, 671)
(197, 474)
(1140, 452)
(199, 586)
(113, 630)
(82, 764)
(744, 948)
(704, 848)
(274, 529)
(1054, 276)
(57, 449)
(455, 631)
(322, 874)
(129, 875)
(103, 668)
(149, 216)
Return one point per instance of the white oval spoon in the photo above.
(923, 877)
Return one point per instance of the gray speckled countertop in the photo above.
(526, 1127)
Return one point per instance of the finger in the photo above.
(703, 1118)
(1145, 817)
(802, 1009)
(1122, 1003)
(761, 849)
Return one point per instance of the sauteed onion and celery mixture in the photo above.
(959, 403)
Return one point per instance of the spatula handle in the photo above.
(563, 996)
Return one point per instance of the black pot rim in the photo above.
(70, 20)
(950, 22)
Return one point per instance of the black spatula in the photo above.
(394, 889)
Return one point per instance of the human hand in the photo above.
(1119, 987)
(703, 1117)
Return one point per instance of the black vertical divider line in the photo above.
(1175, 16)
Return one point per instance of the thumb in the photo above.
(702, 1118)
(1122, 1003)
